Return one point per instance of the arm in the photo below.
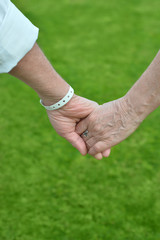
(35, 70)
(144, 96)
(19, 52)
(112, 122)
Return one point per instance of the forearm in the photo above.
(36, 71)
(144, 96)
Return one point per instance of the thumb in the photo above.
(77, 142)
(82, 126)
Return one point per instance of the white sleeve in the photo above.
(17, 35)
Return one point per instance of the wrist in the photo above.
(54, 95)
(62, 102)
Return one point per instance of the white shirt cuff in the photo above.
(17, 37)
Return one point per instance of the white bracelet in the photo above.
(62, 102)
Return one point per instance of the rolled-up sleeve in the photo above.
(17, 35)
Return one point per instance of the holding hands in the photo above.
(65, 120)
(86, 125)
(102, 127)
(92, 128)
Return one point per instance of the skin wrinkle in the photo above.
(117, 120)
(36, 71)
(121, 117)
(118, 125)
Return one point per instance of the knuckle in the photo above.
(97, 128)
(89, 144)
(97, 148)
(110, 139)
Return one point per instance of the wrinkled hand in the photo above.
(65, 119)
(108, 125)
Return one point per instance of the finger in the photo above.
(98, 147)
(90, 141)
(106, 153)
(77, 142)
(81, 126)
(85, 137)
(98, 156)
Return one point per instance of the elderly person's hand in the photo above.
(65, 119)
(108, 125)
(112, 122)
(35, 70)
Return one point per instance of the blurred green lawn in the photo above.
(48, 191)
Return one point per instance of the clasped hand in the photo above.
(107, 124)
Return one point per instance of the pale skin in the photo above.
(36, 71)
(108, 124)
(112, 122)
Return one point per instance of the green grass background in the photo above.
(48, 191)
